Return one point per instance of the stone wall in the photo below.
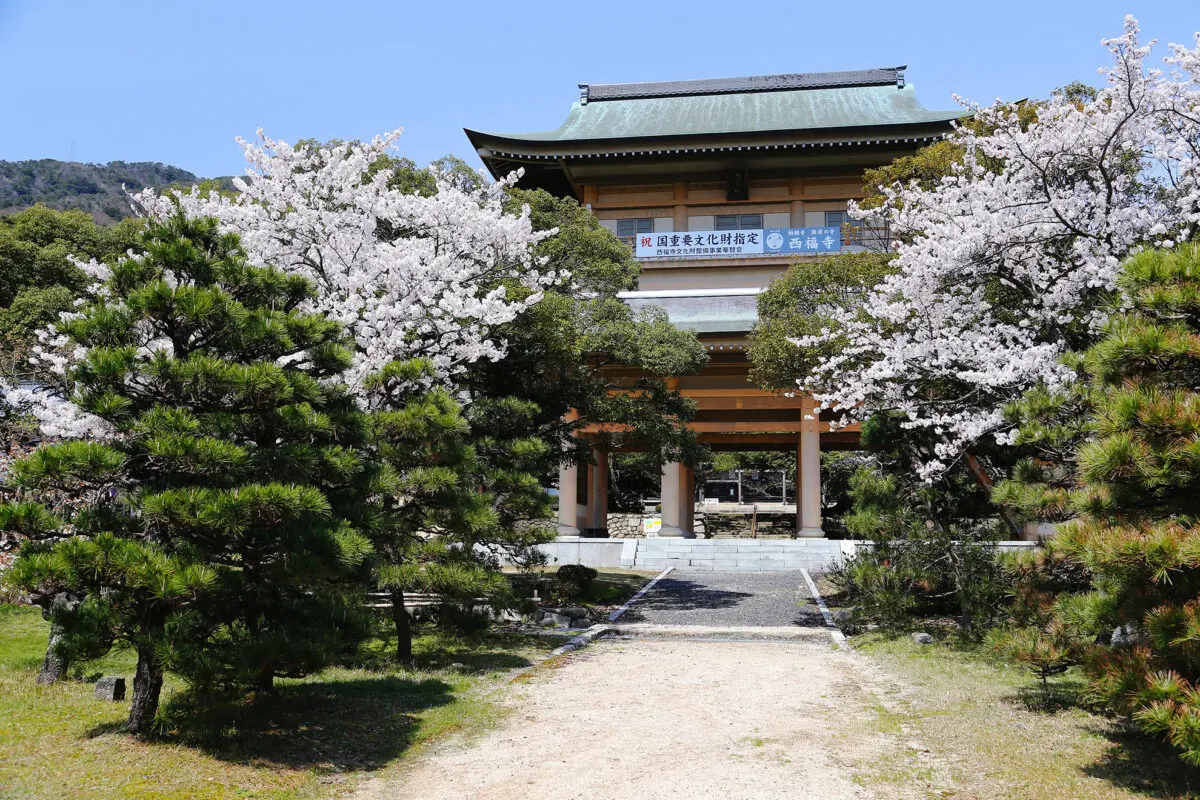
(630, 526)
(626, 526)
(742, 525)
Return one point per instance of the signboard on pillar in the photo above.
(768, 241)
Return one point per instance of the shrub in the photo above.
(572, 580)
(461, 619)
(1046, 651)
(899, 583)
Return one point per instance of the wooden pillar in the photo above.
(590, 194)
(597, 514)
(799, 486)
(680, 189)
(678, 500)
(808, 471)
(568, 481)
(797, 206)
(688, 512)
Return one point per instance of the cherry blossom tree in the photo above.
(410, 275)
(1008, 262)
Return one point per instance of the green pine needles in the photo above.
(462, 489)
(1130, 485)
(219, 538)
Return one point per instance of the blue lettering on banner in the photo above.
(802, 240)
(783, 241)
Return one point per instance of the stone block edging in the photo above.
(835, 633)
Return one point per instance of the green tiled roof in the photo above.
(738, 112)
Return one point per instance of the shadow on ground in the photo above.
(679, 600)
(1061, 694)
(474, 654)
(327, 726)
(357, 717)
(809, 616)
(680, 594)
(1134, 761)
(1144, 765)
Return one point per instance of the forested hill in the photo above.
(94, 188)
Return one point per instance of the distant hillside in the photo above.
(94, 188)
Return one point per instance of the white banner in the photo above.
(699, 243)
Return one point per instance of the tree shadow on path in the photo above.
(679, 594)
(331, 725)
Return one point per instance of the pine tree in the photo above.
(456, 499)
(217, 545)
(1132, 484)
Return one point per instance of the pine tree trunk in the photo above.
(403, 627)
(55, 664)
(266, 680)
(976, 469)
(147, 687)
(959, 590)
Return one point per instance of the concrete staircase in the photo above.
(750, 555)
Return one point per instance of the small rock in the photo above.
(574, 613)
(110, 687)
(1126, 635)
(922, 638)
(553, 620)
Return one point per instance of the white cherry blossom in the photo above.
(408, 275)
(1080, 188)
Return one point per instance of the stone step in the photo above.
(662, 563)
(747, 555)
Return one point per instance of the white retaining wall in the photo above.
(851, 546)
(714, 554)
(587, 551)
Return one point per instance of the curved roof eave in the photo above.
(496, 147)
(764, 114)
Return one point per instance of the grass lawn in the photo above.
(989, 735)
(611, 588)
(310, 738)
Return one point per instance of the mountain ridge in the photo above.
(93, 188)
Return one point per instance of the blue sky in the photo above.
(175, 81)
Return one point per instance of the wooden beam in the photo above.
(774, 441)
(716, 204)
(686, 392)
(747, 403)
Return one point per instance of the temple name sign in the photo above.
(765, 241)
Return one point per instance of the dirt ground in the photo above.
(651, 718)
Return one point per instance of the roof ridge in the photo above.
(881, 76)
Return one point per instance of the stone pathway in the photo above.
(718, 687)
(659, 718)
(736, 599)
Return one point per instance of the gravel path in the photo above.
(726, 599)
(653, 719)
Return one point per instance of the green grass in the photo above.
(310, 738)
(613, 587)
(987, 722)
(610, 589)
